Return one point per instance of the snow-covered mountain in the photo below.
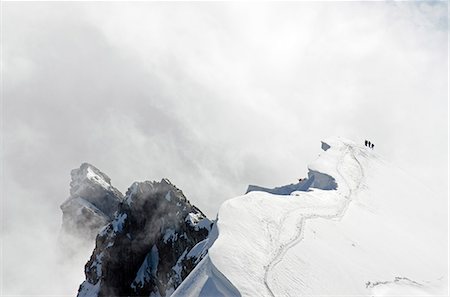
(154, 241)
(91, 205)
(357, 226)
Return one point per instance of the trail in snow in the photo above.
(284, 248)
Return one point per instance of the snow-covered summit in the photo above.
(377, 232)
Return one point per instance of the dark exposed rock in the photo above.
(325, 146)
(152, 244)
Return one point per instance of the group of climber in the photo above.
(369, 144)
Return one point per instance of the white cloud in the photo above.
(213, 96)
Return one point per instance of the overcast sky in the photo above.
(213, 96)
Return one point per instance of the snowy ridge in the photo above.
(205, 279)
(376, 227)
(340, 210)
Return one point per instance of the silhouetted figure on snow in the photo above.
(369, 144)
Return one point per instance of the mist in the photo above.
(213, 96)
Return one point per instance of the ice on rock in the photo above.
(117, 224)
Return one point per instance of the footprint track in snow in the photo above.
(284, 248)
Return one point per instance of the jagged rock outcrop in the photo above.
(91, 205)
(155, 240)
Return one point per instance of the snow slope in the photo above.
(380, 233)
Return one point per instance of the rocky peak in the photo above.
(149, 246)
(87, 173)
(164, 192)
(91, 204)
(94, 186)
